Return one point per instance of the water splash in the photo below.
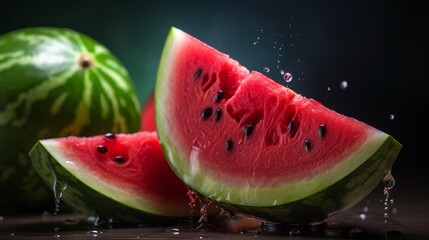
(389, 183)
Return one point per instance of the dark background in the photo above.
(376, 46)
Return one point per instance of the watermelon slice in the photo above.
(257, 147)
(148, 122)
(124, 176)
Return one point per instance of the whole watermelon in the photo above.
(54, 82)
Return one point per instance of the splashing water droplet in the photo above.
(287, 77)
(389, 181)
(365, 209)
(362, 216)
(344, 85)
(266, 70)
(282, 72)
(243, 231)
(391, 117)
(392, 201)
(328, 88)
(254, 43)
(294, 232)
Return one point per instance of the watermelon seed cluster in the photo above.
(103, 149)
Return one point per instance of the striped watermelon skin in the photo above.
(55, 82)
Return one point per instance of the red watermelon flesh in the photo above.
(240, 138)
(148, 122)
(129, 169)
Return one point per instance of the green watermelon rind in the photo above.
(321, 205)
(267, 199)
(89, 198)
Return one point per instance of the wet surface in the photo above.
(366, 220)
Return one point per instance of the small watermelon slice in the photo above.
(124, 176)
(257, 147)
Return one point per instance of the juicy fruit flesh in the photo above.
(142, 179)
(259, 143)
(148, 122)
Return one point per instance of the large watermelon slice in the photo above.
(257, 147)
(55, 82)
(121, 176)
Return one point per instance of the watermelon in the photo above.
(148, 122)
(55, 82)
(259, 148)
(119, 176)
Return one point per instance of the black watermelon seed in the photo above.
(102, 149)
(322, 130)
(218, 96)
(290, 126)
(229, 144)
(110, 135)
(247, 130)
(217, 115)
(307, 145)
(198, 73)
(119, 159)
(206, 113)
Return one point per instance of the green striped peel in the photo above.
(55, 82)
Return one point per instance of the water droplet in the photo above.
(254, 43)
(299, 60)
(174, 231)
(392, 201)
(355, 232)
(94, 233)
(262, 30)
(328, 88)
(365, 209)
(1, 218)
(389, 181)
(386, 208)
(290, 25)
(243, 231)
(110, 135)
(294, 232)
(12, 234)
(266, 69)
(362, 216)
(287, 77)
(57, 235)
(282, 72)
(391, 117)
(386, 215)
(344, 85)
